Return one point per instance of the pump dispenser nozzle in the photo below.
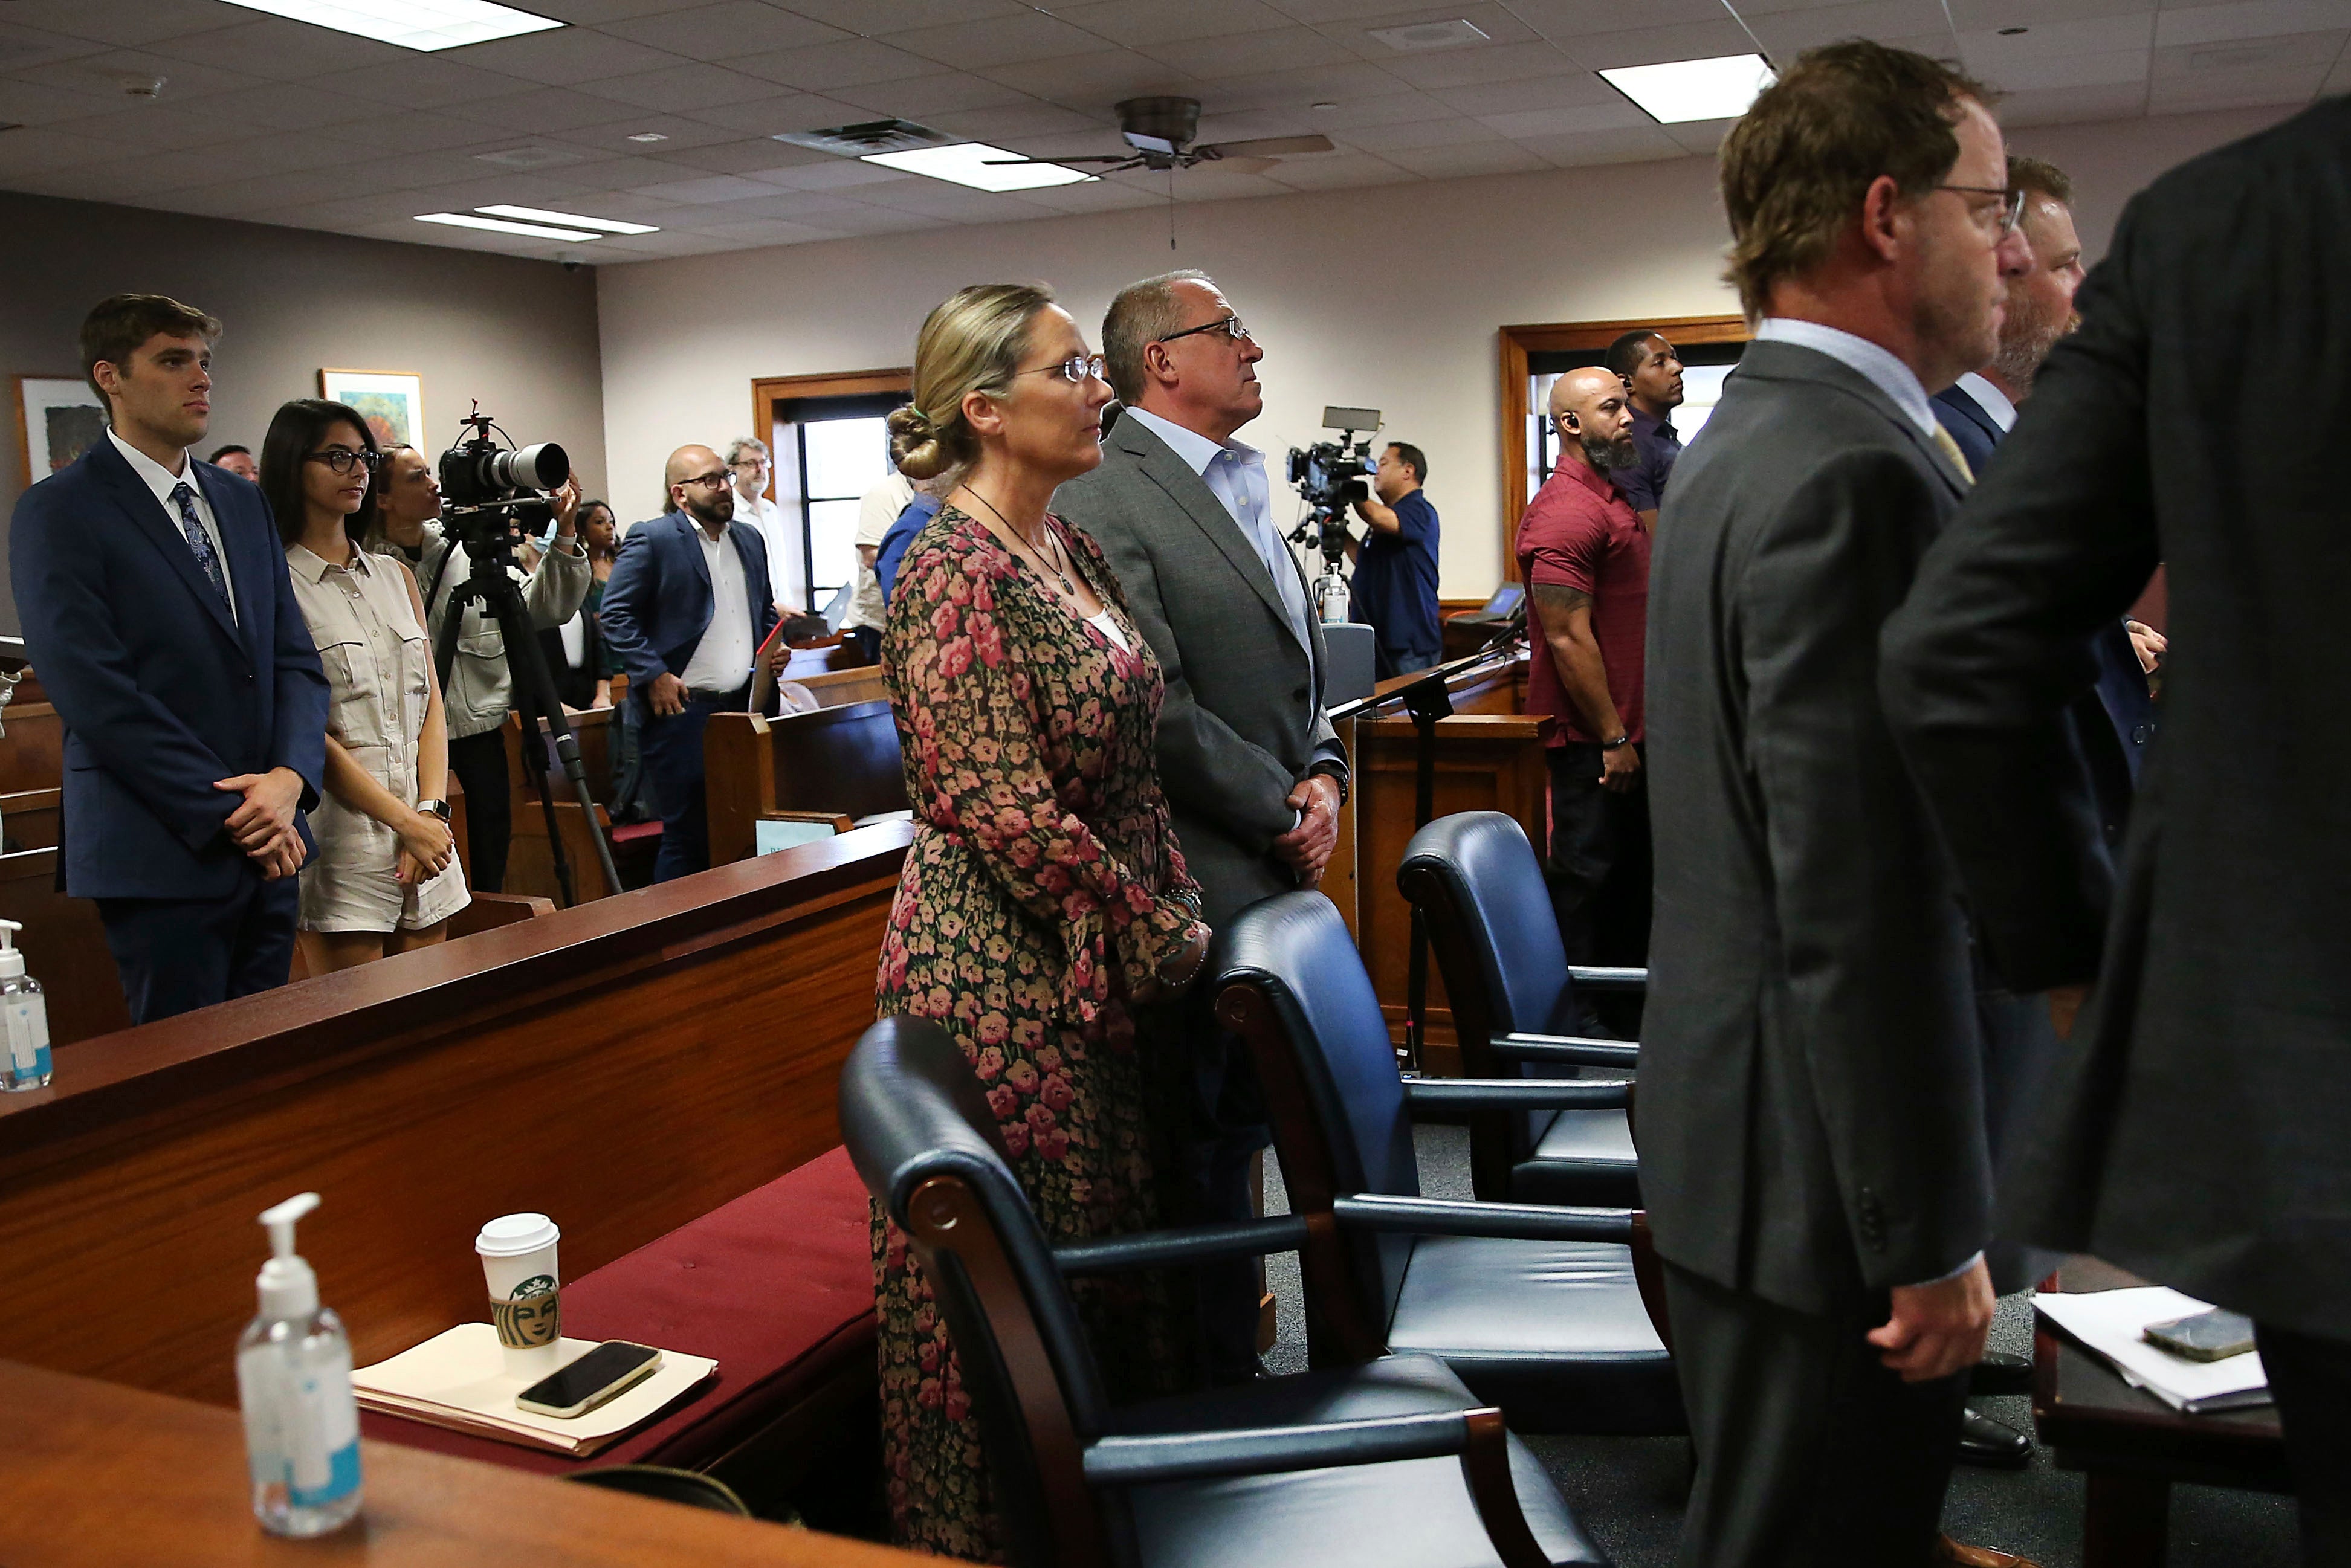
(288, 1288)
(11, 962)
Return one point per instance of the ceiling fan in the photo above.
(1160, 130)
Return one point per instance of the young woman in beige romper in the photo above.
(386, 878)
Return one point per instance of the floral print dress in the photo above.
(1044, 886)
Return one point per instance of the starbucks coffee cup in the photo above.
(518, 1252)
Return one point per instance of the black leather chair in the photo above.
(1483, 899)
(1550, 1312)
(1391, 1462)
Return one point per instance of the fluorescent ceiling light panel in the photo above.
(411, 24)
(570, 220)
(1684, 91)
(500, 225)
(967, 163)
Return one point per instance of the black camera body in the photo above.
(490, 493)
(1330, 477)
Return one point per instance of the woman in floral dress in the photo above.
(1044, 893)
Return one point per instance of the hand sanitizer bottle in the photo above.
(294, 1380)
(24, 1014)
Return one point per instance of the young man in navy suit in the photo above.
(684, 611)
(153, 594)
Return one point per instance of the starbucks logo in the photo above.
(531, 1316)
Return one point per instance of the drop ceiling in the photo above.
(662, 113)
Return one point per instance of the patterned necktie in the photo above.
(1951, 450)
(198, 540)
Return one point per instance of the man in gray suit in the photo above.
(1811, 1107)
(1253, 771)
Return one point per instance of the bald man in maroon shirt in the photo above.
(1584, 556)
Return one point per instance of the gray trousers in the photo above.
(1811, 1454)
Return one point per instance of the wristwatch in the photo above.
(1623, 739)
(435, 808)
(1331, 771)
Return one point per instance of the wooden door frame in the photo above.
(1518, 343)
(768, 391)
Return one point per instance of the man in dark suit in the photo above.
(1812, 1113)
(156, 605)
(2194, 1133)
(685, 611)
(1253, 771)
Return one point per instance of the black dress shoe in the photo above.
(1999, 1373)
(1984, 1441)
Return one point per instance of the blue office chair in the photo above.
(1483, 899)
(1554, 1314)
(1392, 1461)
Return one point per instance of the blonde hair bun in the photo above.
(915, 445)
(971, 343)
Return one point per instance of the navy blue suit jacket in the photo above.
(161, 691)
(2123, 699)
(658, 602)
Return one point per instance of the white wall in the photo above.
(1389, 298)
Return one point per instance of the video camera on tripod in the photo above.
(490, 496)
(1329, 476)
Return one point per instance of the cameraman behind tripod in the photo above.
(1394, 590)
(480, 688)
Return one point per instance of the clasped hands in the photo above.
(262, 823)
(1306, 848)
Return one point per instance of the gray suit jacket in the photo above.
(1242, 721)
(1811, 1103)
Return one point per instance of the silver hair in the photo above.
(736, 448)
(1140, 315)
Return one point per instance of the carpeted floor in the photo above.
(1628, 1491)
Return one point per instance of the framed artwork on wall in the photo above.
(392, 402)
(58, 418)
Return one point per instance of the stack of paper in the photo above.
(2112, 1323)
(459, 1380)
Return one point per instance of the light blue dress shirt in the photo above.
(1879, 364)
(1235, 474)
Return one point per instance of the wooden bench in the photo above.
(627, 1066)
(837, 762)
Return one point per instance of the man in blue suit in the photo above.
(155, 601)
(684, 611)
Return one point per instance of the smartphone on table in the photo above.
(596, 1378)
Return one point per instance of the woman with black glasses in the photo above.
(385, 878)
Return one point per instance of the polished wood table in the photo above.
(2131, 1446)
(96, 1473)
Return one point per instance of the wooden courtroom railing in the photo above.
(837, 761)
(1489, 758)
(624, 1067)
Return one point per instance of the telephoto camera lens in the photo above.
(541, 468)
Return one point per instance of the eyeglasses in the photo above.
(1230, 325)
(748, 463)
(2012, 202)
(1077, 368)
(342, 459)
(716, 481)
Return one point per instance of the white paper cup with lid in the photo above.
(518, 1253)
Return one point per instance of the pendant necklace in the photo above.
(1067, 586)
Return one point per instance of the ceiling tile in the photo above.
(1488, 63)
(710, 188)
(545, 109)
(412, 131)
(1654, 45)
(1982, 16)
(1989, 51)
(2247, 19)
(156, 125)
(725, 33)
(2339, 78)
(678, 136)
(2066, 106)
(24, 47)
(1571, 89)
(414, 171)
(784, 111)
(872, 220)
(1530, 124)
(997, 41)
(825, 67)
(27, 102)
(832, 175)
(284, 50)
(1383, 138)
(1488, 16)
(421, 81)
(1097, 196)
(1020, 120)
(121, 22)
(736, 157)
(677, 88)
(873, 18)
(916, 96)
(108, 76)
(1337, 171)
(1701, 136)
(1634, 144)
(291, 188)
(495, 189)
(562, 58)
(1317, 12)
(1388, 109)
(2234, 89)
(596, 13)
(1467, 161)
(1286, 48)
(1137, 22)
(285, 105)
(1348, 83)
(800, 206)
(626, 206)
(959, 204)
(1565, 21)
(133, 178)
(2293, 57)
(2025, 75)
(768, 231)
(1097, 79)
(1789, 33)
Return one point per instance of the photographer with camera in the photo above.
(1394, 588)
(480, 687)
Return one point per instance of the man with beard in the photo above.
(684, 611)
(1980, 406)
(1584, 556)
(1652, 372)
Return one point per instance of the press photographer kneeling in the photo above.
(480, 689)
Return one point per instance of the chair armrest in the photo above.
(1138, 1460)
(1516, 1093)
(1156, 1248)
(1504, 1221)
(1591, 978)
(1520, 1046)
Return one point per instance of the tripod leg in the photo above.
(534, 691)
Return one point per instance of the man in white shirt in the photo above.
(684, 611)
(749, 461)
(868, 614)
